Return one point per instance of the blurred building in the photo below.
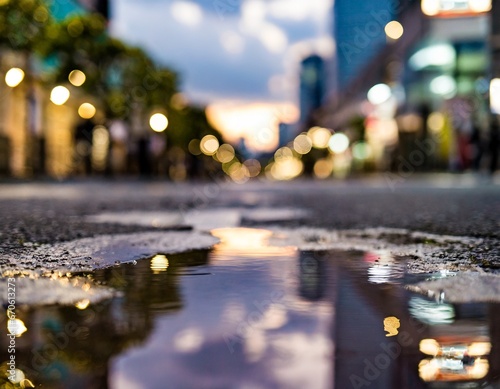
(358, 32)
(410, 72)
(312, 86)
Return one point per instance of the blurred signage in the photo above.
(455, 8)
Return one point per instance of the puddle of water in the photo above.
(250, 315)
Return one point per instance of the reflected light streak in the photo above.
(82, 304)
(391, 325)
(159, 263)
(16, 327)
(247, 242)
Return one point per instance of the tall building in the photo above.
(312, 86)
(359, 34)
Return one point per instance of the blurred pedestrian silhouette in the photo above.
(83, 146)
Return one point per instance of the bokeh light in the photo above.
(338, 143)
(436, 122)
(431, 7)
(225, 153)
(283, 153)
(253, 166)
(480, 6)
(86, 111)
(323, 168)
(158, 122)
(379, 94)
(320, 137)
(394, 30)
(238, 173)
(14, 77)
(361, 151)
(444, 85)
(194, 147)
(286, 168)
(59, 95)
(495, 95)
(77, 77)
(302, 144)
(209, 145)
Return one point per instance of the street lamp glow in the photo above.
(77, 77)
(59, 95)
(86, 111)
(394, 30)
(338, 143)
(158, 122)
(14, 77)
(495, 96)
(379, 94)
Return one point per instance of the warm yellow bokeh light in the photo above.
(431, 7)
(436, 122)
(302, 144)
(59, 95)
(254, 167)
(319, 137)
(86, 111)
(209, 145)
(77, 77)
(323, 168)
(225, 153)
(14, 77)
(194, 147)
(283, 153)
(394, 30)
(158, 122)
(480, 6)
(286, 168)
(238, 173)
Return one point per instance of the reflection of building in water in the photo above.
(64, 345)
(312, 275)
(437, 344)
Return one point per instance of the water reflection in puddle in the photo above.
(246, 315)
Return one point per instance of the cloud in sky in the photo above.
(228, 49)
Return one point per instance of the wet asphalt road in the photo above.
(442, 204)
